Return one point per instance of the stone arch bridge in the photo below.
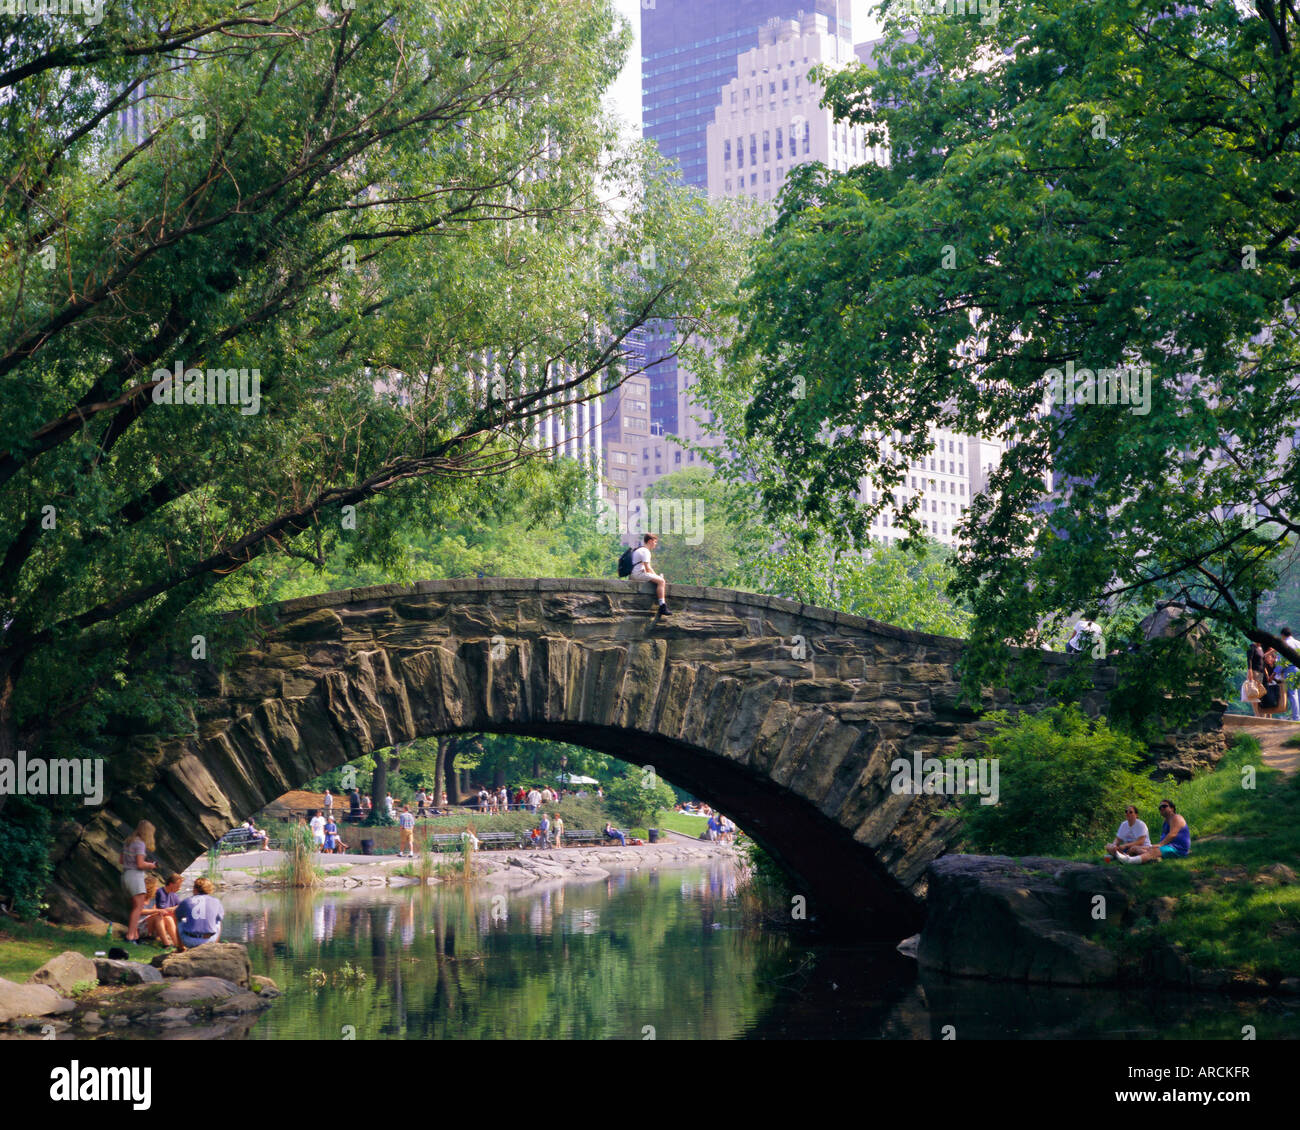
(785, 716)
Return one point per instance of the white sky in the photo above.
(624, 97)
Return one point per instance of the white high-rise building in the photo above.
(769, 119)
(767, 122)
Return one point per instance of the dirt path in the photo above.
(1272, 737)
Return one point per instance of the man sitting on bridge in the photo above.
(1175, 839)
(642, 571)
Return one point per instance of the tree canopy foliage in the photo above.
(414, 224)
(1109, 186)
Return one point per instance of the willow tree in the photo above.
(1111, 187)
(410, 228)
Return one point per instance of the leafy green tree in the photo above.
(706, 547)
(397, 219)
(638, 796)
(1063, 782)
(908, 588)
(1109, 186)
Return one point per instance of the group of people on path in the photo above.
(1265, 689)
(181, 923)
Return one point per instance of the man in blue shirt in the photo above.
(198, 918)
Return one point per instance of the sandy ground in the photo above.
(1272, 737)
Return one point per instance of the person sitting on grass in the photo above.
(1132, 836)
(198, 918)
(612, 833)
(1175, 839)
(159, 918)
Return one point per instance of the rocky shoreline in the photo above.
(202, 994)
(1056, 922)
(514, 870)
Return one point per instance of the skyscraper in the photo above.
(688, 54)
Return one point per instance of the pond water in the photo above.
(677, 953)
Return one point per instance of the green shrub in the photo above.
(637, 796)
(1063, 782)
(25, 867)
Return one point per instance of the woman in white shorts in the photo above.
(135, 862)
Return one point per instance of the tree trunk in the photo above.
(440, 772)
(379, 784)
(451, 784)
(537, 762)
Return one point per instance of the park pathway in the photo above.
(1273, 738)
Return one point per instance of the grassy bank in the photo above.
(1237, 899)
(26, 946)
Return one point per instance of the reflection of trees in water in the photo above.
(565, 962)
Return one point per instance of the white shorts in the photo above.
(133, 881)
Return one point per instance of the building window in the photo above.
(767, 176)
(728, 185)
(753, 149)
(753, 179)
(767, 145)
(726, 151)
(780, 143)
(677, 456)
(807, 137)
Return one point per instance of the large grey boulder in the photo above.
(30, 1000)
(112, 972)
(227, 960)
(65, 972)
(198, 990)
(1031, 919)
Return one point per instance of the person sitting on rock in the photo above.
(612, 833)
(159, 918)
(198, 918)
(1175, 839)
(1131, 837)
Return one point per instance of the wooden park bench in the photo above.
(445, 841)
(491, 840)
(241, 839)
(576, 836)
